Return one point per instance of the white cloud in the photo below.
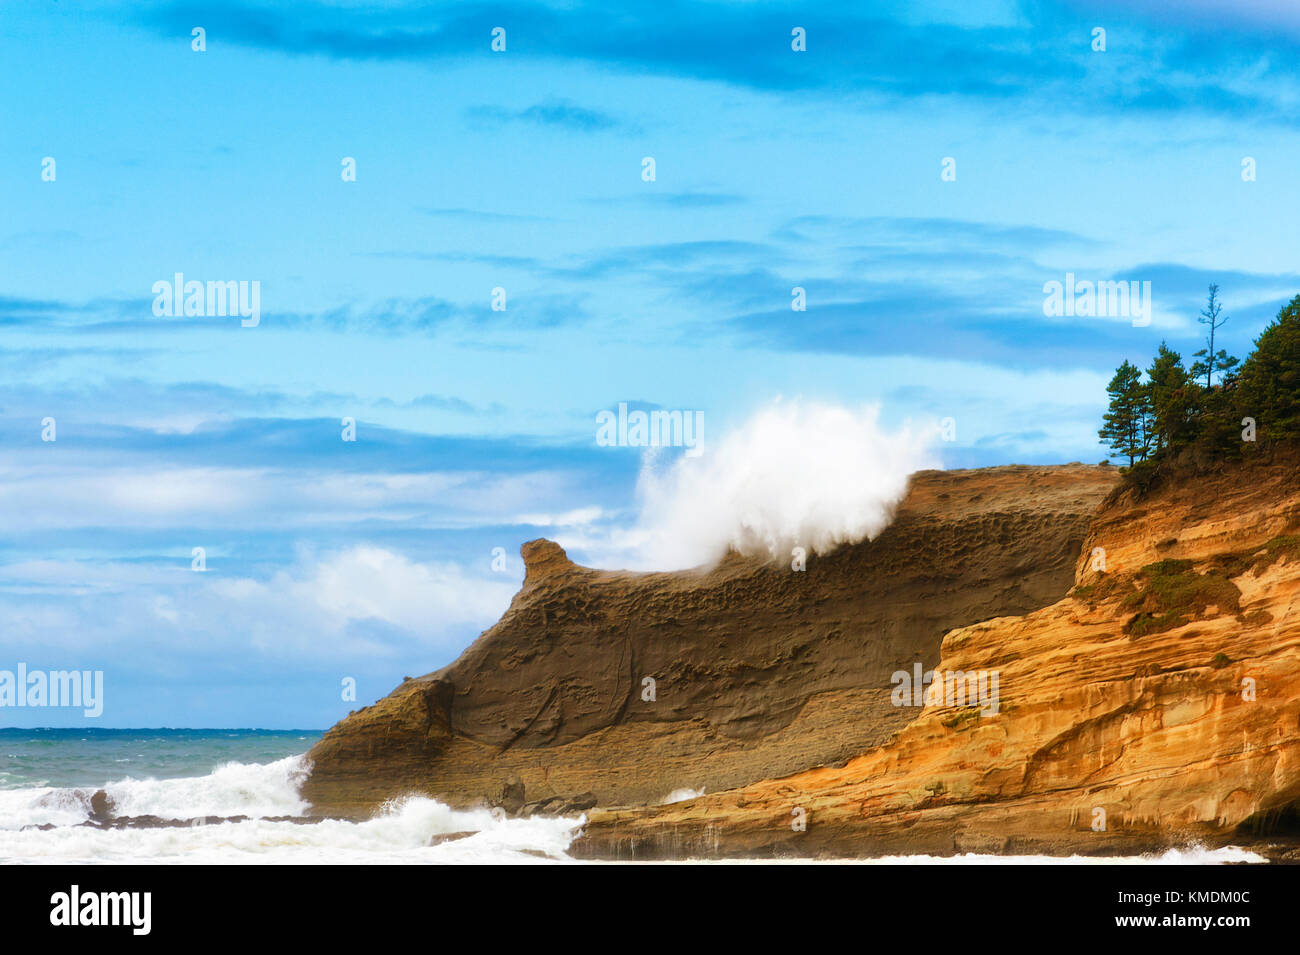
(371, 583)
(46, 498)
(364, 601)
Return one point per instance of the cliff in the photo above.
(1157, 704)
(758, 670)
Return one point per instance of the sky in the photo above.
(920, 170)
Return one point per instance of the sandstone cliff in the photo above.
(759, 671)
(1157, 704)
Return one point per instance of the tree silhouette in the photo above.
(1212, 361)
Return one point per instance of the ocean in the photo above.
(192, 782)
(49, 776)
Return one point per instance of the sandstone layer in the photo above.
(759, 670)
(1157, 704)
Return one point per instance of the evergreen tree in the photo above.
(1172, 399)
(1172, 416)
(1268, 388)
(1212, 361)
(1125, 430)
(1222, 362)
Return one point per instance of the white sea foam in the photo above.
(400, 833)
(795, 474)
(43, 806)
(235, 789)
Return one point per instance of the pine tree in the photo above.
(1171, 398)
(1126, 430)
(1222, 362)
(1268, 388)
(1212, 361)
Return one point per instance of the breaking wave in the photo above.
(415, 829)
(796, 474)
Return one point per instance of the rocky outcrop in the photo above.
(1157, 704)
(622, 688)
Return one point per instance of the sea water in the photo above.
(48, 776)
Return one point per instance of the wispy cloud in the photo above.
(1043, 57)
(387, 316)
(555, 113)
(697, 199)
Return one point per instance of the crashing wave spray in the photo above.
(796, 474)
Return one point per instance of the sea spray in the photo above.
(405, 832)
(233, 789)
(797, 474)
(47, 824)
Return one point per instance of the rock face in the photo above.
(622, 688)
(1157, 704)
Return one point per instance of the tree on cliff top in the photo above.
(1172, 418)
(1172, 399)
(1212, 361)
(1126, 427)
(1268, 388)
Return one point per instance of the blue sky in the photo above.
(522, 170)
